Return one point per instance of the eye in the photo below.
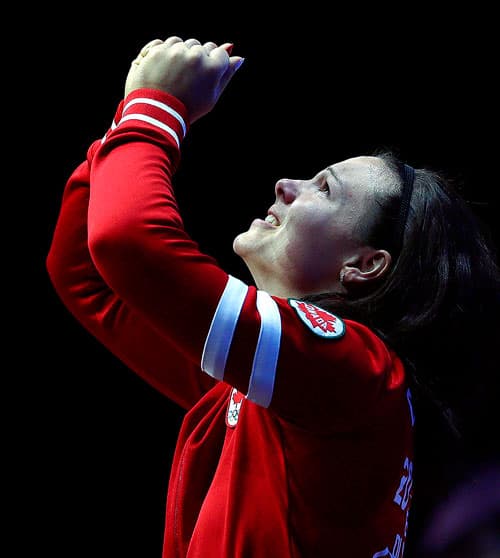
(324, 187)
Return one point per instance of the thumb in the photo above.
(235, 63)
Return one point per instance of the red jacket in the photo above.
(298, 434)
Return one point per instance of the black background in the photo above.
(319, 84)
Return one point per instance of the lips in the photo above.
(272, 220)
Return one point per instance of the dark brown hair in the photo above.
(439, 309)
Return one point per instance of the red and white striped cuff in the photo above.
(157, 109)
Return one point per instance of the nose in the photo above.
(287, 189)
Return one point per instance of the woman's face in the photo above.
(312, 229)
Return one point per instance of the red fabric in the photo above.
(324, 470)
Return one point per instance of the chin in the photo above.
(243, 245)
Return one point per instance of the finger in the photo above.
(222, 51)
(192, 42)
(235, 63)
(226, 64)
(209, 46)
(220, 54)
(172, 40)
(228, 47)
(147, 46)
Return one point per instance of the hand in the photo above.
(194, 73)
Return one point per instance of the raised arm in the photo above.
(136, 237)
(94, 304)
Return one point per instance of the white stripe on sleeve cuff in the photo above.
(159, 105)
(220, 335)
(154, 122)
(261, 387)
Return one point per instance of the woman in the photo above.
(298, 438)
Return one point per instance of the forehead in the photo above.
(363, 167)
(358, 175)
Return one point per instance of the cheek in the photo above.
(312, 228)
(316, 241)
(307, 245)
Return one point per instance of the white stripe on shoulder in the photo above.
(154, 122)
(261, 386)
(220, 334)
(161, 106)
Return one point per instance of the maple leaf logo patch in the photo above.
(319, 321)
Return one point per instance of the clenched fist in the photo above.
(195, 73)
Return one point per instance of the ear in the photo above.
(368, 266)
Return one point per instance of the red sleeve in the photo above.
(136, 234)
(262, 345)
(122, 330)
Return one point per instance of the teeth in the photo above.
(271, 219)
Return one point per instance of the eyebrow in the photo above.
(334, 174)
(341, 184)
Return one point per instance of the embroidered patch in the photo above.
(233, 409)
(319, 321)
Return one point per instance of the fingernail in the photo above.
(239, 63)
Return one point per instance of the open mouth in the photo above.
(272, 220)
